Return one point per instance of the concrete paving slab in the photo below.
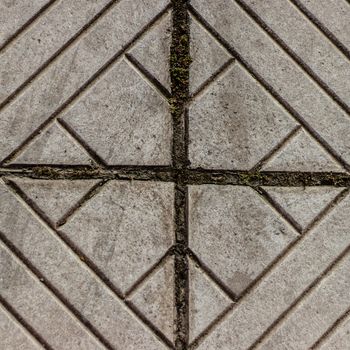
(269, 62)
(13, 336)
(44, 38)
(63, 265)
(73, 69)
(332, 15)
(230, 225)
(204, 292)
(15, 14)
(174, 174)
(235, 123)
(207, 56)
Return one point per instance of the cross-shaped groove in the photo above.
(179, 173)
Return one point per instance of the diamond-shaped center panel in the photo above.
(125, 229)
(235, 123)
(235, 233)
(132, 116)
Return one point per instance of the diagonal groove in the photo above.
(292, 246)
(215, 76)
(26, 25)
(273, 151)
(48, 62)
(82, 201)
(211, 275)
(303, 295)
(305, 67)
(179, 172)
(270, 90)
(148, 76)
(210, 328)
(92, 154)
(331, 330)
(69, 307)
(11, 310)
(278, 209)
(70, 246)
(84, 87)
(147, 274)
(322, 28)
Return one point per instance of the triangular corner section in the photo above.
(207, 55)
(53, 147)
(55, 198)
(303, 204)
(302, 153)
(152, 51)
(206, 301)
(155, 298)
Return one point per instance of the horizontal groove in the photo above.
(188, 176)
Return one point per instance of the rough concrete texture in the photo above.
(174, 174)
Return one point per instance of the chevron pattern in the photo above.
(124, 227)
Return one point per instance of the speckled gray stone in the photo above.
(327, 120)
(54, 146)
(235, 123)
(15, 13)
(307, 322)
(235, 233)
(40, 308)
(153, 50)
(303, 204)
(141, 215)
(284, 283)
(55, 198)
(155, 298)
(67, 272)
(47, 35)
(132, 116)
(334, 15)
(81, 61)
(339, 338)
(13, 336)
(307, 42)
(206, 301)
(207, 55)
(302, 153)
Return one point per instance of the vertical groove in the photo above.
(179, 73)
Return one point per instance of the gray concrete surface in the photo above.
(134, 216)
